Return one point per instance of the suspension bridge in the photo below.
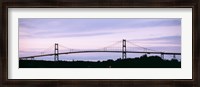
(123, 50)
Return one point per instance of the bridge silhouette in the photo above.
(106, 49)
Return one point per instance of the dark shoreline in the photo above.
(138, 62)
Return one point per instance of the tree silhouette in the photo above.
(138, 62)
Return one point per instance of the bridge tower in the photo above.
(56, 56)
(123, 49)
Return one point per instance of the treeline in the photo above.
(138, 62)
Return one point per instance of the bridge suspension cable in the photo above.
(47, 49)
(123, 50)
(64, 46)
(109, 46)
(142, 47)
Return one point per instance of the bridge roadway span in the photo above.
(165, 53)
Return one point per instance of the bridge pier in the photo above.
(123, 49)
(32, 58)
(105, 49)
(174, 56)
(162, 55)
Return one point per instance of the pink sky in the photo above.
(36, 35)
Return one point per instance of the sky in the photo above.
(38, 35)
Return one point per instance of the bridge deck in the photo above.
(166, 53)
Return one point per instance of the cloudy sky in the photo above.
(40, 34)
